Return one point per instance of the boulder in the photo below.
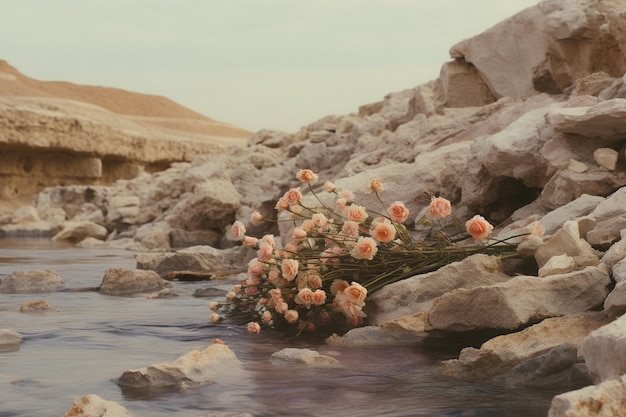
(211, 206)
(9, 337)
(519, 301)
(119, 281)
(500, 355)
(603, 351)
(74, 232)
(604, 400)
(191, 370)
(94, 406)
(36, 281)
(296, 356)
(606, 232)
(417, 293)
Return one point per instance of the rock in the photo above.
(417, 293)
(558, 367)
(592, 85)
(613, 206)
(558, 264)
(462, 86)
(603, 351)
(603, 120)
(36, 281)
(564, 243)
(302, 357)
(604, 400)
(75, 232)
(201, 261)
(606, 157)
(211, 206)
(579, 207)
(9, 337)
(405, 330)
(119, 281)
(551, 56)
(518, 301)
(500, 355)
(615, 303)
(26, 214)
(122, 209)
(153, 237)
(191, 370)
(94, 406)
(606, 232)
(36, 306)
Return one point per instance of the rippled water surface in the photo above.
(86, 345)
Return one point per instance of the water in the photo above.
(86, 345)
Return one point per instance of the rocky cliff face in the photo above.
(58, 133)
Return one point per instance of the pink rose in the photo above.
(273, 276)
(347, 195)
(215, 318)
(289, 269)
(350, 228)
(291, 316)
(293, 196)
(383, 232)
(254, 327)
(365, 248)
(355, 293)
(269, 239)
(478, 227)
(314, 280)
(319, 297)
(307, 176)
(398, 212)
(255, 267)
(376, 185)
(304, 297)
(356, 213)
(329, 187)
(281, 204)
(266, 317)
(299, 234)
(439, 208)
(250, 242)
(238, 230)
(265, 252)
(320, 219)
(281, 307)
(338, 286)
(256, 217)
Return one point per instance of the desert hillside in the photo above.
(143, 108)
(60, 133)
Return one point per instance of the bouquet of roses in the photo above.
(338, 254)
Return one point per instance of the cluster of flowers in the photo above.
(336, 255)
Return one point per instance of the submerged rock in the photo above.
(9, 337)
(37, 281)
(302, 357)
(94, 406)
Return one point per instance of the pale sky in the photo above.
(276, 64)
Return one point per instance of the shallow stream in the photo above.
(92, 339)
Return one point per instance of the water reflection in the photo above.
(85, 346)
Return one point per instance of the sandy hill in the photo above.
(141, 108)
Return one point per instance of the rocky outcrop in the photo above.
(56, 133)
